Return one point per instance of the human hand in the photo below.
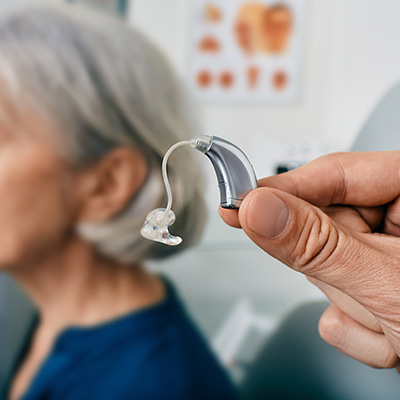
(337, 220)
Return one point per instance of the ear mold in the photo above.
(156, 227)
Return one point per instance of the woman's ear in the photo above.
(107, 187)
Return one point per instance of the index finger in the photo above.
(362, 179)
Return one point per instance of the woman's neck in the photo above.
(76, 286)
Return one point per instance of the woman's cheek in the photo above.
(30, 226)
(35, 211)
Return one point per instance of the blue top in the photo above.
(154, 353)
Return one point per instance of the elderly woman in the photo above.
(88, 108)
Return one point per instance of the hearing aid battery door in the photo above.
(226, 199)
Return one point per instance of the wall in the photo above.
(365, 62)
(350, 61)
(165, 23)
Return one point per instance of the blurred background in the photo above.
(338, 59)
(347, 61)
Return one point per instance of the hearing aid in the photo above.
(235, 175)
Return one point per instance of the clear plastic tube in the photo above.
(157, 221)
(165, 173)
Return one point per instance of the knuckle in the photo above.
(334, 162)
(330, 327)
(317, 243)
(331, 157)
(386, 361)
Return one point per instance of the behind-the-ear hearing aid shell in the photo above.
(235, 174)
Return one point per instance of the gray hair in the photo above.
(104, 85)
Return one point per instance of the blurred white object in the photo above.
(239, 323)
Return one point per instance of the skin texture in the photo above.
(42, 200)
(337, 221)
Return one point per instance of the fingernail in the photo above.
(267, 215)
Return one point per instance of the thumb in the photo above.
(306, 239)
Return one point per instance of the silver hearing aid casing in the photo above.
(235, 174)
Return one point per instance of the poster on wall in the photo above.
(246, 50)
